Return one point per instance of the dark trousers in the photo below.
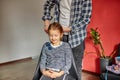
(78, 56)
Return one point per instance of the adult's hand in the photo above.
(46, 25)
(66, 29)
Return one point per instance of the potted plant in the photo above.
(104, 60)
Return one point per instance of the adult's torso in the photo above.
(65, 12)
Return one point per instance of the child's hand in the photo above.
(47, 73)
(56, 74)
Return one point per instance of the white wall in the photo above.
(21, 29)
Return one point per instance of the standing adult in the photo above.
(74, 16)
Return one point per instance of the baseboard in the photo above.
(35, 57)
(15, 61)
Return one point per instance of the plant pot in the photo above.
(105, 62)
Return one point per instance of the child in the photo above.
(56, 55)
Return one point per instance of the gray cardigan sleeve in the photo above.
(68, 57)
(43, 58)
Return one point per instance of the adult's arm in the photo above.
(85, 16)
(49, 4)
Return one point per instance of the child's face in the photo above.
(55, 37)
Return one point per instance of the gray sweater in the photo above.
(57, 59)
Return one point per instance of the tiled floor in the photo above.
(24, 71)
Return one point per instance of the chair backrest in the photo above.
(37, 73)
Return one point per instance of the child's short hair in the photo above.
(55, 26)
